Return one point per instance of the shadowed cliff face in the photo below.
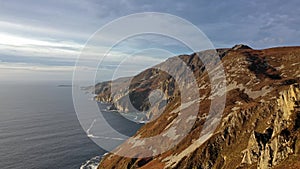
(259, 126)
(132, 94)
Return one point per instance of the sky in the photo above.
(41, 40)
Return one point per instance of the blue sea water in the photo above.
(39, 128)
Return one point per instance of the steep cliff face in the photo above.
(132, 94)
(259, 126)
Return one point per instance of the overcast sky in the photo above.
(41, 39)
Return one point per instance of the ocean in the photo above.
(39, 129)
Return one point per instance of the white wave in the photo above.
(92, 125)
(143, 122)
(107, 138)
(92, 163)
(90, 135)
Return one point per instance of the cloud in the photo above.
(19, 41)
(25, 46)
(27, 67)
(76, 20)
(52, 33)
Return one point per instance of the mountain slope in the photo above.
(259, 127)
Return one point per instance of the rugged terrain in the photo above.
(259, 127)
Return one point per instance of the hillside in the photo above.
(259, 127)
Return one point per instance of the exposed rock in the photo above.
(275, 145)
(240, 46)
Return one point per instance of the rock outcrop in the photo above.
(259, 127)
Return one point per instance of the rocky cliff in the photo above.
(259, 127)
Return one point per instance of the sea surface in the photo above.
(39, 129)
